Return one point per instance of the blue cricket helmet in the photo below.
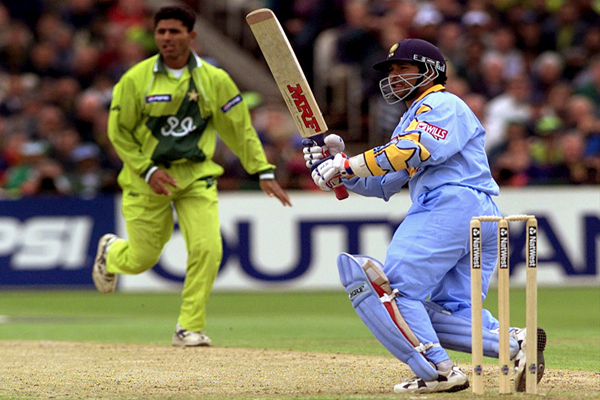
(414, 50)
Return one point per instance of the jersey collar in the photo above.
(194, 62)
(435, 88)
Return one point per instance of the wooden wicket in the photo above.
(504, 302)
(531, 307)
(503, 305)
(476, 307)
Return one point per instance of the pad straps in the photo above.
(387, 296)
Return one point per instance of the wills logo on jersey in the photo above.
(308, 117)
(433, 130)
(158, 98)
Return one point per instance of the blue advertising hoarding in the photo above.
(51, 241)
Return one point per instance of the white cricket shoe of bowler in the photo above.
(184, 338)
(105, 282)
(520, 360)
(453, 380)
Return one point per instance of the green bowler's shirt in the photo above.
(158, 120)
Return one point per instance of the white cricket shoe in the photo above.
(453, 380)
(521, 361)
(105, 282)
(184, 338)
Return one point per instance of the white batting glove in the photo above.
(334, 144)
(329, 172)
(313, 154)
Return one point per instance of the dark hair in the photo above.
(182, 13)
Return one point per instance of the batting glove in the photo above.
(313, 153)
(328, 173)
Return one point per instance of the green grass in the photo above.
(305, 321)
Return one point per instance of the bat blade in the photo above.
(287, 72)
(290, 78)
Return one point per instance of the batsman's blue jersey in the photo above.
(438, 141)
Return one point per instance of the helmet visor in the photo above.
(396, 88)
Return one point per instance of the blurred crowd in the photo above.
(530, 70)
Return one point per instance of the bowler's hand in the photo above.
(159, 181)
(272, 189)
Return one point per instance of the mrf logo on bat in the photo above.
(308, 116)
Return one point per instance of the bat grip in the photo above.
(341, 192)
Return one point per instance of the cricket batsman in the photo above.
(417, 302)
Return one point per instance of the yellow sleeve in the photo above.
(124, 117)
(395, 155)
(235, 127)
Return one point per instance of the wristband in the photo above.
(149, 173)
(268, 175)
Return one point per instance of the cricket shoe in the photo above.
(453, 380)
(184, 338)
(521, 361)
(105, 282)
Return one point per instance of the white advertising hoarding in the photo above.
(268, 246)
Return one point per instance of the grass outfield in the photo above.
(305, 321)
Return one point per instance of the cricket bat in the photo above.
(290, 78)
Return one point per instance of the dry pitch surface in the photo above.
(43, 370)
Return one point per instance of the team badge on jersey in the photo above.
(433, 130)
(158, 98)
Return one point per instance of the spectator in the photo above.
(514, 166)
(503, 43)
(490, 82)
(128, 13)
(79, 14)
(427, 22)
(547, 70)
(49, 123)
(588, 82)
(303, 21)
(545, 145)
(27, 12)
(4, 25)
(555, 103)
(10, 156)
(63, 40)
(476, 103)
(13, 94)
(469, 66)
(64, 144)
(477, 24)
(529, 36)
(575, 169)
(452, 44)
(43, 61)
(581, 117)
(511, 106)
(35, 173)
(86, 179)
(15, 49)
(564, 28)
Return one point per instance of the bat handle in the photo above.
(341, 192)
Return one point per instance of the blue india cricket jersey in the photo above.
(438, 141)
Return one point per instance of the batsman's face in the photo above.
(173, 41)
(403, 82)
(403, 75)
